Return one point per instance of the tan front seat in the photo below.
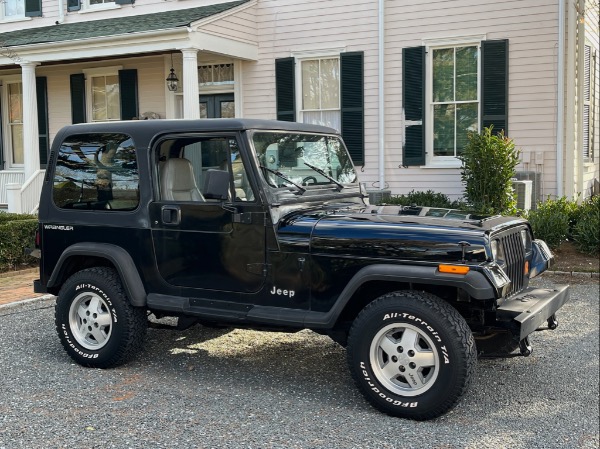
(177, 182)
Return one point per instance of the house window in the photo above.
(454, 98)
(320, 91)
(105, 98)
(100, 2)
(13, 8)
(15, 122)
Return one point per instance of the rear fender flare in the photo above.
(117, 256)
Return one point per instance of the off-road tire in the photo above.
(425, 378)
(96, 323)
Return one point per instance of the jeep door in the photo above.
(208, 228)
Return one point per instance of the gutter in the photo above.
(61, 12)
(560, 113)
(381, 99)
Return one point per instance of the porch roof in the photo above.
(114, 27)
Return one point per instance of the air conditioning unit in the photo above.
(523, 192)
(378, 196)
(536, 188)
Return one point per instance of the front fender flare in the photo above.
(119, 258)
(474, 283)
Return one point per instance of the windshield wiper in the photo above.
(322, 173)
(285, 178)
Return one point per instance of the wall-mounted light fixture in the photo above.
(172, 80)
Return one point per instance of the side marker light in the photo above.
(453, 269)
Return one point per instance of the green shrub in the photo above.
(16, 233)
(586, 229)
(553, 220)
(425, 199)
(489, 163)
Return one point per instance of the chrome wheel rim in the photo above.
(404, 359)
(90, 321)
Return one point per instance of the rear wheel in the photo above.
(411, 354)
(96, 323)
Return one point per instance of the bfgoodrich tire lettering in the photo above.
(96, 324)
(411, 354)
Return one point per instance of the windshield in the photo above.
(295, 159)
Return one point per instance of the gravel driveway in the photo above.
(207, 388)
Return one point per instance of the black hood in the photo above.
(396, 232)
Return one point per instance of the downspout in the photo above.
(61, 12)
(560, 113)
(381, 44)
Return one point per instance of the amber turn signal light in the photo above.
(526, 268)
(453, 269)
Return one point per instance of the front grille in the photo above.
(514, 254)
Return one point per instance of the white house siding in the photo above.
(530, 26)
(239, 26)
(286, 27)
(151, 87)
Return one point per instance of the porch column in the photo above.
(191, 100)
(31, 143)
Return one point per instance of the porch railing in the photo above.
(25, 199)
(9, 177)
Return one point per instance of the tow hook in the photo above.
(552, 322)
(525, 347)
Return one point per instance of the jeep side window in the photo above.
(97, 172)
(185, 163)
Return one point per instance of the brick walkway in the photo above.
(18, 285)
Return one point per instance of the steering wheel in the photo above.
(309, 178)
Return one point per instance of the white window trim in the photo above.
(311, 56)
(87, 8)
(432, 161)
(6, 134)
(89, 74)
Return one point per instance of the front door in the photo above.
(202, 241)
(217, 106)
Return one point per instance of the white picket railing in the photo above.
(9, 177)
(25, 198)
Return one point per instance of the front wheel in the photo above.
(96, 323)
(411, 354)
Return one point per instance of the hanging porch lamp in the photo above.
(172, 80)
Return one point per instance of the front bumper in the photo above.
(523, 313)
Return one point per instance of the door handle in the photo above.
(171, 215)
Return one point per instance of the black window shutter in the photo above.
(73, 5)
(285, 89)
(1, 144)
(33, 8)
(494, 89)
(128, 90)
(352, 104)
(78, 98)
(413, 101)
(41, 87)
(124, 2)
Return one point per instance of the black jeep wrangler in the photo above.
(264, 225)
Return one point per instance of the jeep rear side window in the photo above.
(97, 172)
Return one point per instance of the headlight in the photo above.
(526, 238)
(497, 251)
